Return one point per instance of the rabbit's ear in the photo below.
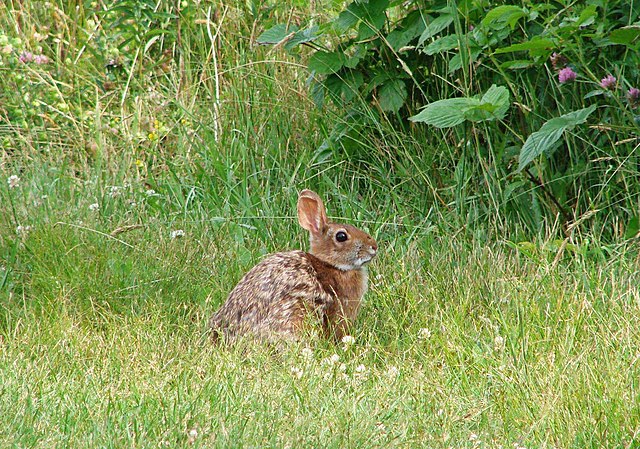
(311, 213)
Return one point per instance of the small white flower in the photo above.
(307, 353)
(114, 191)
(342, 367)
(335, 358)
(23, 230)
(348, 340)
(296, 372)
(94, 207)
(392, 372)
(13, 181)
(177, 234)
(192, 435)
(360, 369)
(150, 192)
(473, 437)
(498, 343)
(424, 333)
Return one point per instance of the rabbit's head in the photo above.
(341, 245)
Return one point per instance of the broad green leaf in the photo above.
(302, 36)
(493, 105)
(369, 26)
(503, 16)
(534, 45)
(498, 96)
(326, 63)
(633, 227)
(435, 26)
(445, 43)
(392, 95)
(348, 18)
(276, 34)
(517, 64)
(629, 35)
(587, 16)
(445, 113)
(546, 137)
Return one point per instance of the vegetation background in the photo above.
(152, 151)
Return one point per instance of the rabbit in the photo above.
(275, 299)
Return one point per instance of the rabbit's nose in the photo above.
(374, 246)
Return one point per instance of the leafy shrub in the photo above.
(538, 100)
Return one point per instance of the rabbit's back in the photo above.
(273, 298)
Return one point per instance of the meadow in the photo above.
(152, 152)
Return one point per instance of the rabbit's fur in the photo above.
(278, 296)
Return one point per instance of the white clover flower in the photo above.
(114, 191)
(392, 372)
(296, 372)
(424, 333)
(23, 230)
(307, 353)
(498, 343)
(177, 234)
(342, 367)
(192, 434)
(13, 181)
(360, 369)
(94, 207)
(348, 340)
(473, 437)
(150, 192)
(335, 358)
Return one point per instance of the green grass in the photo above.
(473, 334)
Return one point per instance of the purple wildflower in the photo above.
(608, 82)
(567, 74)
(633, 95)
(40, 59)
(26, 56)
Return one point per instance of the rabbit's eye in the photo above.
(341, 236)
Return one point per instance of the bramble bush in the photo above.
(537, 102)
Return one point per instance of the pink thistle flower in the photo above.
(567, 74)
(26, 56)
(608, 82)
(633, 95)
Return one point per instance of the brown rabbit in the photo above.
(277, 296)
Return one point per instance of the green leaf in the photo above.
(626, 35)
(633, 227)
(493, 105)
(435, 26)
(326, 63)
(533, 46)
(276, 34)
(588, 16)
(503, 16)
(302, 36)
(348, 18)
(497, 96)
(392, 95)
(445, 43)
(445, 113)
(517, 64)
(369, 27)
(546, 137)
